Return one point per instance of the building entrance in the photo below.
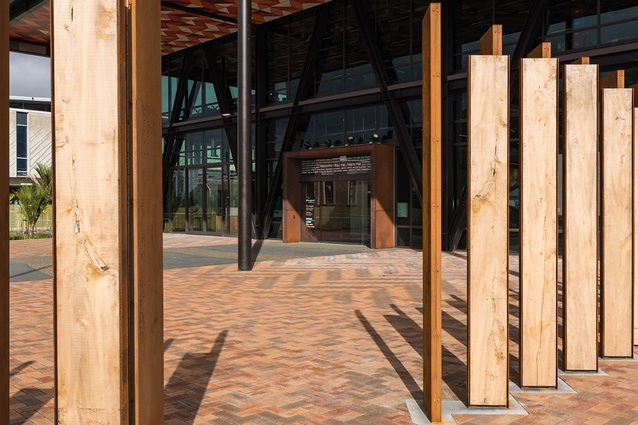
(340, 194)
(337, 211)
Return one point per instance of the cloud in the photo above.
(29, 75)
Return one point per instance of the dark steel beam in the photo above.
(223, 98)
(531, 31)
(397, 115)
(260, 189)
(180, 94)
(198, 12)
(244, 163)
(305, 81)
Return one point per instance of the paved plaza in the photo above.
(315, 334)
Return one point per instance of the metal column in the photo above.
(244, 120)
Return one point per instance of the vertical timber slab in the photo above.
(4, 213)
(89, 61)
(146, 214)
(538, 222)
(635, 228)
(432, 227)
(488, 227)
(617, 223)
(580, 218)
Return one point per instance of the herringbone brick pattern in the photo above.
(323, 340)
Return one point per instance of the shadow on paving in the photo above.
(21, 271)
(413, 334)
(41, 267)
(189, 382)
(399, 368)
(268, 250)
(32, 400)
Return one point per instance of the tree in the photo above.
(33, 199)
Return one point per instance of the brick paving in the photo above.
(334, 338)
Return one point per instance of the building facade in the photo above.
(352, 69)
(30, 137)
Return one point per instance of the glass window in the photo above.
(213, 144)
(619, 33)
(22, 165)
(194, 145)
(572, 26)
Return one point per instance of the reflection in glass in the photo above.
(175, 208)
(337, 211)
(195, 198)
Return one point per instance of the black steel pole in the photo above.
(244, 162)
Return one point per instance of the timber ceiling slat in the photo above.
(180, 29)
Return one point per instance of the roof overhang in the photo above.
(185, 23)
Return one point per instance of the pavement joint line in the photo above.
(599, 372)
(562, 388)
(619, 359)
(455, 407)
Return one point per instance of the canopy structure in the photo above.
(184, 23)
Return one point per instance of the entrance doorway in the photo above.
(340, 194)
(337, 211)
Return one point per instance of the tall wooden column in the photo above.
(580, 217)
(617, 218)
(635, 212)
(488, 227)
(538, 213)
(432, 363)
(108, 274)
(146, 211)
(4, 213)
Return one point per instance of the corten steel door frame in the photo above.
(432, 224)
(4, 213)
(107, 163)
(382, 234)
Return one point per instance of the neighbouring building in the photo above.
(30, 137)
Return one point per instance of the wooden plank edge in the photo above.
(613, 80)
(432, 330)
(147, 280)
(581, 61)
(542, 51)
(491, 42)
(4, 215)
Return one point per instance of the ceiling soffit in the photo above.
(185, 23)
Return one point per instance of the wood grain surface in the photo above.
(432, 227)
(90, 174)
(580, 218)
(538, 222)
(488, 124)
(617, 223)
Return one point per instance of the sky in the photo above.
(29, 76)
